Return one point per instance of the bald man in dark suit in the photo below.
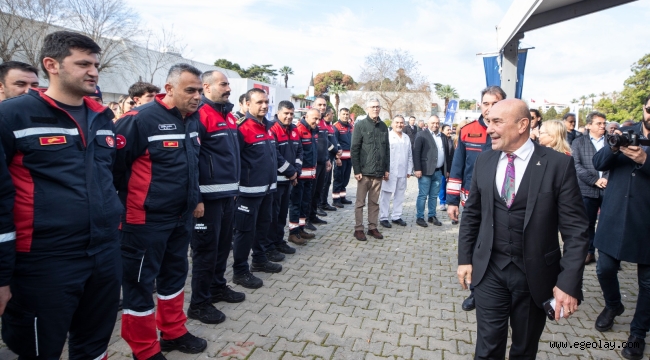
(521, 195)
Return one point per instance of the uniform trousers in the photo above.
(252, 222)
(279, 218)
(398, 200)
(211, 242)
(317, 188)
(57, 295)
(341, 178)
(325, 192)
(299, 205)
(149, 255)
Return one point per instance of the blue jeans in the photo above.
(429, 186)
(607, 272)
(443, 191)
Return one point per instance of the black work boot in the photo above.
(226, 294)
(248, 281)
(345, 201)
(187, 343)
(206, 313)
(286, 249)
(267, 267)
(274, 256)
(337, 203)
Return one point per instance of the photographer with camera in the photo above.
(624, 227)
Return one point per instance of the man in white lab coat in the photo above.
(401, 168)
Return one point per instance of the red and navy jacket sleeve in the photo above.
(284, 167)
(7, 228)
(456, 174)
(299, 152)
(131, 144)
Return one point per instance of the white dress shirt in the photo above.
(523, 155)
(441, 150)
(598, 144)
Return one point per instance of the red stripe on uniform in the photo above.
(138, 188)
(24, 203)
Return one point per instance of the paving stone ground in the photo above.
(396, 298)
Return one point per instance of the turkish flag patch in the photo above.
(121, 141)
(52, 140)
(170, 143)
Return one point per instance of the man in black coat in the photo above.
(592, 182)
(623, 229)
(431, 162)
(411, 130)
(570, 123)
(521, 195)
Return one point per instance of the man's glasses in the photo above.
(375, 107)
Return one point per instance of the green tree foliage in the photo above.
(446, 92)
(357, 110)
(336, 90)
(286, 71)
(465, 104)
(324, 80)
(550, 114)
(262, 73)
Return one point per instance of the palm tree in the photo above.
(583, 99)
(446, 92)
(592, 96)
(336, 89)
(603, 95)
(574, 101)
(615, 95)
(286, 71)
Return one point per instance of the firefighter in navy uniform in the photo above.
(472, 140)
(219, 172)
(60, 149)
(323, 166)
(343, 133)
(289, 154)
(257, 183)
(156, 174)
(334, 158)
(300, 201)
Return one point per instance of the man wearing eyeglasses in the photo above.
(623, 229)
(370, 152)
(592, 182)
(570, 123)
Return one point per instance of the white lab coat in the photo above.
(401, 160)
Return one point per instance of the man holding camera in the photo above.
(623, 227)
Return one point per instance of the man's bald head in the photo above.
(312, 116)
(216, 86)
(508, 125)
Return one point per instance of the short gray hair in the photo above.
(176, 70)
(398, 117)
(372, 100)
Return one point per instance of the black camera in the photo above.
(627, 138)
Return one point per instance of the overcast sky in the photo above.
(591, 54)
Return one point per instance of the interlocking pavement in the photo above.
(396, 298)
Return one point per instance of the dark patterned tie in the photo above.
(508, 188)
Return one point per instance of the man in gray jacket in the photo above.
(430, 162)
(370, 152)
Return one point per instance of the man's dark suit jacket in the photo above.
(554, 203)
(411, 132)
(583, 152)
(425, 154)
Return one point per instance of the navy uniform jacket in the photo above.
(623, 225)
(156, 171)
(65, 203)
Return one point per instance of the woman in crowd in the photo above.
(553, 134)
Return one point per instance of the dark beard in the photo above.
(646, 124)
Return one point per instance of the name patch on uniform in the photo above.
(474, 135)
(170, 143)
(52, 140)
(166, 126)
(259, 136)
(243, 208)
(200, 226)
(221, 124)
